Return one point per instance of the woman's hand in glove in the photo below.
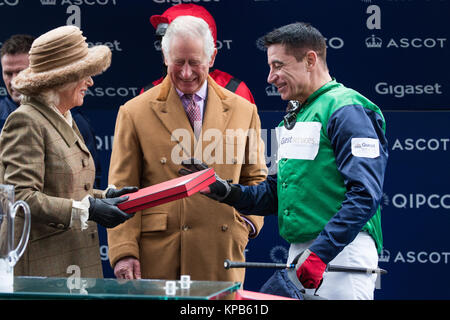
(106, 213)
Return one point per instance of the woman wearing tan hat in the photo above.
(42, 154)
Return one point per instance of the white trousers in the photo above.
(361, 252)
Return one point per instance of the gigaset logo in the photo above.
(401, 90)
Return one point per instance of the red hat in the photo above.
(185, 10)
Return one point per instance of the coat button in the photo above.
(286, 212)
(51, 224)
(163, 160)
(224, 227)
(185, 228)
(84, 162)
(87, 186)
(60, 226)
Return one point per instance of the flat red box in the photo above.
(168, 191)
(251, 295)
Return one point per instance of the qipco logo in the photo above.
(419, 200)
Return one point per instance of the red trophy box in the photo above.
(168, 191)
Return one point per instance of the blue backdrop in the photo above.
(395, 52)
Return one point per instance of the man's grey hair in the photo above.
(189, 27)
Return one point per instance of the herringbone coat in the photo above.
(49, 165)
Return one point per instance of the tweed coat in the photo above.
(49, 165)
(193, 235)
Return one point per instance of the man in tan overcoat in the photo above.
(158, 129)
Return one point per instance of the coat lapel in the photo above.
(80, 140)
(170, 111)
(216, 117)
(70, 135)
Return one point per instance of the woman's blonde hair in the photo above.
(50, 97)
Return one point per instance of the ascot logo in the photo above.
(113, 92)
(417, 43)
(423, 257)
(421, 144)
(373, 22)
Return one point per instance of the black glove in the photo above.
(221, 190)
(106, 213)
(114, 193)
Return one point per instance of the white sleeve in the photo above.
(80, 210)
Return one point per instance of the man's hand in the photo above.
(310, 269)
(218, 190)
(128, 268)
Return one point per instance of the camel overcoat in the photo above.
(191, 236)
(49, 165)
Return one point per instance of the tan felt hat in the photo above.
(60, 56)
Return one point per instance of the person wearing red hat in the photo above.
(224, 79)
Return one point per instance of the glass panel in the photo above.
(80, 288)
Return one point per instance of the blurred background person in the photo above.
(14, 58)
(42, 154)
